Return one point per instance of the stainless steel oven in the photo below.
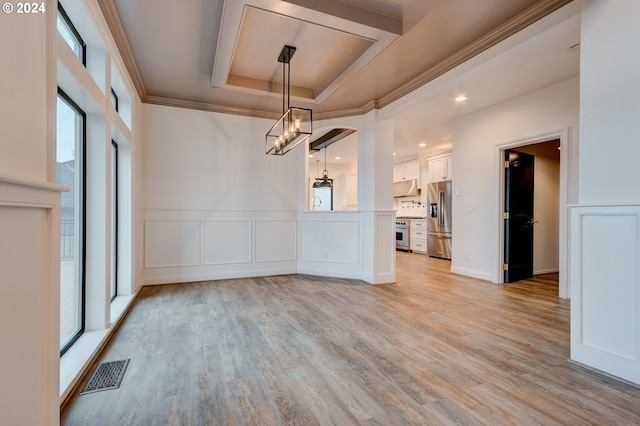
(402, 234)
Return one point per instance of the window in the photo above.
(114, 99)
(114, 220)
(70, 172)
(71, 35)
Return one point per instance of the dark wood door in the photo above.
(519, 222)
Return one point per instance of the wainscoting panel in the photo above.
(171, 243)
(605, 289)
(275, 240)
(29, 301)
(385, 270)
(330, 241)
(227, 242)
(201, 245)
(609, 295)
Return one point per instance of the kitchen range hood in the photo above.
(406, 188)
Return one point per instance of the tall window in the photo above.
(70, 172)
(114, 220)
(71, 35)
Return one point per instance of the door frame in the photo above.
(568, 195)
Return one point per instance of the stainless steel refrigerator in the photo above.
(439, 217)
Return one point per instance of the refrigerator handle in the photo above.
(440, 207)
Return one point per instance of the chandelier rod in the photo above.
(288, 84)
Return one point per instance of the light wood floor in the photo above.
(435, 348)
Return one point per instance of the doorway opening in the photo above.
(548, 221)
(532, 210)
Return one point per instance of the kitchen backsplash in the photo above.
(410, 206)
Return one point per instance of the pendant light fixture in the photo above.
(296, 124)
(324, 182)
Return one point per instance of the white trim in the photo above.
(566, 160)
(593, 343)
(30, 183)
(231, 23)
(546, 271)
(88, 346)
(474, 273)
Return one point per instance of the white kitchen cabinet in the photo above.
(418, 235)
(441, 168)
(423, 179)
(346, 192)
(406, 170)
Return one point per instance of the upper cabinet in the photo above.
(441, 168)
(406, 170)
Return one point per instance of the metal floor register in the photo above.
(107, 375)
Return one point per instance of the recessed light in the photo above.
(461, 98)
(310, 155)
(394, 153)
(422, 145)
(337, 158)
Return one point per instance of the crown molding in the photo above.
(347, 112)
(122, 42)
(529, 16)
(206, 106)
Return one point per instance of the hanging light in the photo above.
(296, 124)
(324, 182)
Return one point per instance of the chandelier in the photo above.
(295, 125)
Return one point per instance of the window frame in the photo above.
(114, 220)
(74, 32)
(83, 218)
(114, 101)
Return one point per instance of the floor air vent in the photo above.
(107, 376)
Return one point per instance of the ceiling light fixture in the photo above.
(324, 182)
(461, 98)
(422, 145)
(296, 124)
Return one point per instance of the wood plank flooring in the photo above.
(434, 348)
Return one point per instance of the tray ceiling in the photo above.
(352, 55)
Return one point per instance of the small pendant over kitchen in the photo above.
(324, 182)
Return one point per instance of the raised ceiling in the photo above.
(352, 55)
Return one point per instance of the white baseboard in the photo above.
(473, 273)
(185, 276)
(546, 271)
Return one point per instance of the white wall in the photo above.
(605, 230)
(23, 109)
(476, 141)
(198, 160)
(215, 205)
(609, 102)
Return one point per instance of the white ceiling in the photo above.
(408, 57)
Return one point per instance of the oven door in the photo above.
(402, 238)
